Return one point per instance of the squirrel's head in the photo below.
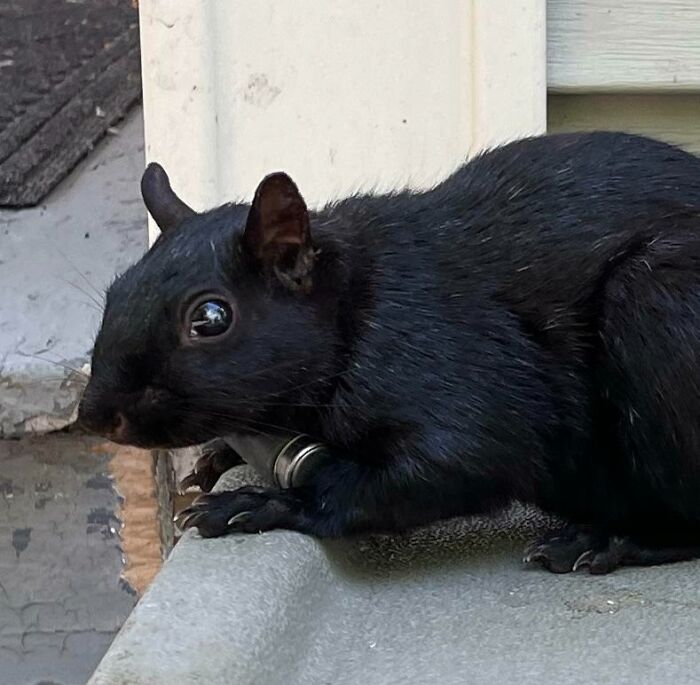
(225, 325)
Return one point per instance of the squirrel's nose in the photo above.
(95, 417)
(115, 428)
(120, 428)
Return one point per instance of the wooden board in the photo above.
(672, 118)
(623, 45)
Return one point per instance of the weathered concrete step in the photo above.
(55, 261)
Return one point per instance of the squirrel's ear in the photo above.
(277, 234)
(166, 208)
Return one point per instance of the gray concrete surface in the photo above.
(61, 596)
(450, 604)
(55, 261)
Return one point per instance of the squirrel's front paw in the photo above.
(217, 458)
(246, 510)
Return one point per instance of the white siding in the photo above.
(623, 45)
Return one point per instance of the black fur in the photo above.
(527, 330)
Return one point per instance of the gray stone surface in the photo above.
(55, 261)
(450, 604)
(61, 597)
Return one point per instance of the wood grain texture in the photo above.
(132, 470)
(623, 45)
(671, 118)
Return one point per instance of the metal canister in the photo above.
(285, 459)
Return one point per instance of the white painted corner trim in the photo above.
(341, 95)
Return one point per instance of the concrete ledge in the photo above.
(55, 261)
(447, 604)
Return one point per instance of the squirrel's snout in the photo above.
(120, 428)
(114, 428)
(100, 418)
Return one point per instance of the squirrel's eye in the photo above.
(210, 318)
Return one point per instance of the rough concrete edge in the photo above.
(41, 398)
(164, 477)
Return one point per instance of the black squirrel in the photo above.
(528, 329)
